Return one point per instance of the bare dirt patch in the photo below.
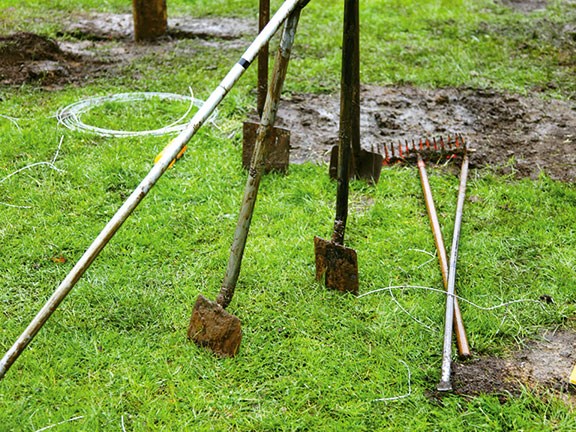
(94, 45)
(512, 133)
(525, 6)
(543, 365)
(27, 57)
(104, 26)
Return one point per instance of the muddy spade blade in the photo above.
(337, 264)
(278, 157)
(367, 165)
(214, 328)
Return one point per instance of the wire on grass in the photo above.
(13, 120)
(404, 396)
(35, 164)
(62, 422)
(70, 116)
(489, 308)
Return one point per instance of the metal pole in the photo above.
(168, 155)
(445, 383)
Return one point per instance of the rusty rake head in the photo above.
(435, 150)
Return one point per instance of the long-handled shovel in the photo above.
(365, 165)
(445, 381)
(278, 156)
(167, 158)
(335, 262)
(210, 325)
(439, 151)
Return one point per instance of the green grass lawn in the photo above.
(115, 356)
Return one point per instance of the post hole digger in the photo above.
(337, 264)
(210, 325)
(437, 151)
(278, 154)
(168, 155)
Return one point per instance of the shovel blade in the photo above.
(337, 264)
(368, 166)
(214, 328)
(278, 153)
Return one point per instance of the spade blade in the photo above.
(214, 328)
(337, 264)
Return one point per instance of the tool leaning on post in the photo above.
(165, 159)
(210, 325)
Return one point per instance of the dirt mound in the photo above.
(542, 365)
(28, 57)
(523, 135)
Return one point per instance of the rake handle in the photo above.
(459, 329)
(258, 162)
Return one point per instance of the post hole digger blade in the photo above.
(210, 325)
(168, 155)
(335, 262)
(364, 164)
(278, 156)
(437, 151)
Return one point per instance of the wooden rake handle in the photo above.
(461, 338)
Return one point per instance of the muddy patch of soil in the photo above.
(511, 133)
(542, 365)
(104, 26)
(525, 6)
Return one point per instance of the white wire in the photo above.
(404, 396)
(407, 287)
(70, 116)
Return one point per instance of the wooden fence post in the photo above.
(150, 19)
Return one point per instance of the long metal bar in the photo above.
(460, 330)
(445, 382)
(258, 164)
(347, 112)
(168, 155)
